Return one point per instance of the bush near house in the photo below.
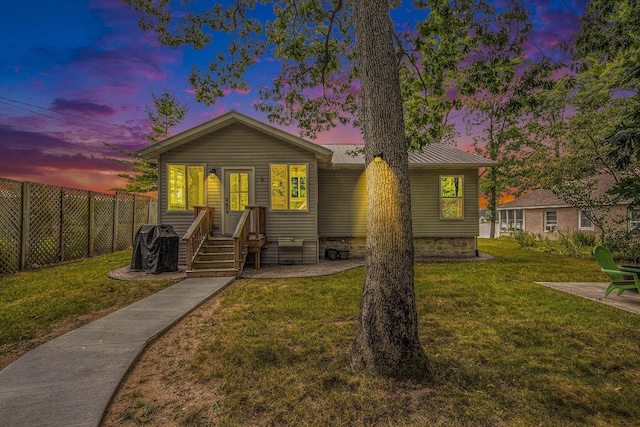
(579, 244)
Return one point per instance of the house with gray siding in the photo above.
(302, 197)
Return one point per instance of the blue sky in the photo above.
(75, 73)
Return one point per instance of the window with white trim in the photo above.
(585, 222)
(451, 192)
(289, 187)
(511, 220)
(550, 221)
(185, 187)
(634, 219)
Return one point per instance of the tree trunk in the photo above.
(493, 200)
(387, 340)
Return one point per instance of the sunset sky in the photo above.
(77, 73)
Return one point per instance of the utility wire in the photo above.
(59, 112)
(118, 137)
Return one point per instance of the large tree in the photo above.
(387, 338)
(437, 53)
(500, 83)
(325, 45)
(607, 51)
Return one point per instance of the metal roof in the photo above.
(433, 155)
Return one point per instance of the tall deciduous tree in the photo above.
(320, 48)
(568, 132)
(437, 52)
(608, 53)
(387, 338)
(501, 82)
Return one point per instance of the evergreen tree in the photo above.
(166, 113)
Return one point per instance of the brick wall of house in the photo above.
(428, 247)
(424, 247)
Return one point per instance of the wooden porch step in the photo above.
(217, 247)
(219, 241)
(201, 264)
(213, 272)
(215, 256)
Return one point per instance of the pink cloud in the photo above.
(340, 135)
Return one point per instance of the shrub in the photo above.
(585, 240)
(568, 243)
(525, 240)
(624, 246)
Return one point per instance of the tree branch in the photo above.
(325, 59)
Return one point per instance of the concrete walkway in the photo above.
(70, 380)
(594, 291)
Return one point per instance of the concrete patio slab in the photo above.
(594, 291)
(69, 381)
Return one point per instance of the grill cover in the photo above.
(155, 249)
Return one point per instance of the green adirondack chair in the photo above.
(622, 277)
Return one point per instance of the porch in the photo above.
(216, 256)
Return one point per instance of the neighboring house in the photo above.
(543, 213)
(314, 195)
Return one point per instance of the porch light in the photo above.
(378, 157)
(213, 171)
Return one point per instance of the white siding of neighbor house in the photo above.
(342, 204)
(238, 146)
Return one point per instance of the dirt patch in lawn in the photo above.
(160, 389)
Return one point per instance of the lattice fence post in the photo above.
(115, 223)
(26, 206)
(92, 227)
(61, 228)
(133, 220)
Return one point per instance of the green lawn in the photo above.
(34, 302)
(504, 351)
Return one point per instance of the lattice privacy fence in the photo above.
(45, 224)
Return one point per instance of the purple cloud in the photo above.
(554, 24)
(20, 140)
(83, 106)
(25, 151)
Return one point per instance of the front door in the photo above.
(238, 192)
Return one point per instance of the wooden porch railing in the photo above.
(197, 232)
(258, 220)
(252, 225)
(240, 238)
